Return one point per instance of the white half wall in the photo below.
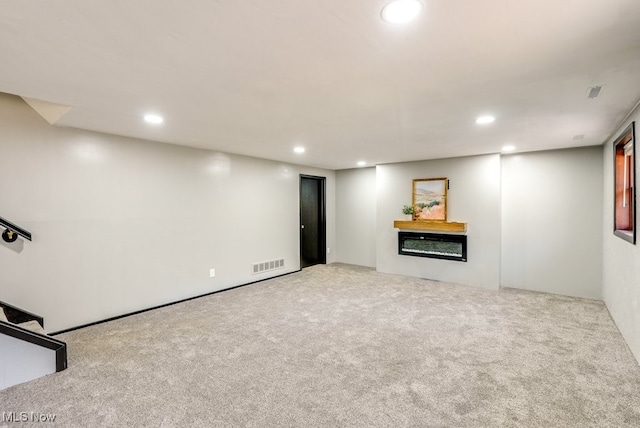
(21, 361)
(621, 259)
(121, 225)
(473, 198)
(551, 221)
(356, 216)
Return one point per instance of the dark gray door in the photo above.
(312, 221)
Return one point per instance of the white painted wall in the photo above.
(22, 361)
(621, 259)
(356, 216)
(121, 225)
(551, 221)
(473, 197)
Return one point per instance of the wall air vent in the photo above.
(593, 91)
(260, 267)
(578, 137)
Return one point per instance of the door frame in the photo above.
(322, 217)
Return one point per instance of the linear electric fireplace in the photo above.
(434, 245)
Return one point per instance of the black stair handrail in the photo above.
(14, 228)
(16, 315)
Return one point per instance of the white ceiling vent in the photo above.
(593, 91)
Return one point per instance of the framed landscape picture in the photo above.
(429, 199)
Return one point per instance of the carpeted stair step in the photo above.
(33, 326)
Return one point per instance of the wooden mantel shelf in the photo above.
(439, 226)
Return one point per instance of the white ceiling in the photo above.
(258, 77)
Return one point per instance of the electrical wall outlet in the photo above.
(328, 250)
(212, 273)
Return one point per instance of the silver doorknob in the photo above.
(302, 226)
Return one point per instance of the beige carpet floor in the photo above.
(341, 345)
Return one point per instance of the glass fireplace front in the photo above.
(434, 245)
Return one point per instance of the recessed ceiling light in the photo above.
(299, 149)
(362, 163)
(508, 148)
(484, 120)
(401, 11)
(153, 118)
